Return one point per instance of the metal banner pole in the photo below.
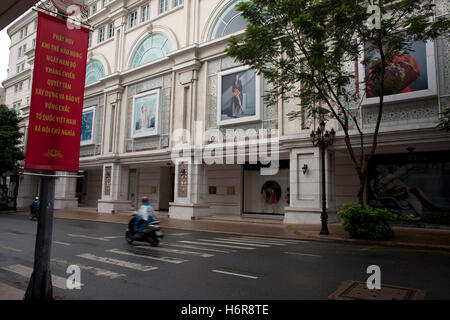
(40, 285)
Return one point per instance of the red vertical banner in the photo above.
(57, 96)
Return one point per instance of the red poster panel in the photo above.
(57, 96)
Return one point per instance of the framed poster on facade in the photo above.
(87, 126)
(238, 96)
(406, 184)
(410, 76)
(145, 114)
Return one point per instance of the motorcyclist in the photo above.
(144, 215)
(34, 208)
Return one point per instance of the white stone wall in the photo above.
(93, 188)
(148, 177)
(222, 177)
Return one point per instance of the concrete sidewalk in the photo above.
(404, 236)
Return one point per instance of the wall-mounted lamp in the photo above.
(305, 168)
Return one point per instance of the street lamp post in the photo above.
(321, 138)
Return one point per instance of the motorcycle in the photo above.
(151, 233)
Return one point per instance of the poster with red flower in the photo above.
(408, 76)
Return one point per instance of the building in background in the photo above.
(157, 74)
(2, 95)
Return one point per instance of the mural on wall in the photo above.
(238, 96)
(410, 187)
(145, 114)
(87, 126)
(407, 76)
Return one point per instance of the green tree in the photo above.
(10, 139)
(306, 50)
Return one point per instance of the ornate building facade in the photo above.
(162, 100)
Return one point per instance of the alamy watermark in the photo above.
(374, 21)
(374, 281)
(229, 146)
(74, 280)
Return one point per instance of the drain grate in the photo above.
(355, 290)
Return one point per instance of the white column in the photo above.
(114, 189)
(190, 185)
(65, 192)
(306, 188)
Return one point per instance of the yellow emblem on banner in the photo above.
(53, 154)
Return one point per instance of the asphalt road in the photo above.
(191, 265)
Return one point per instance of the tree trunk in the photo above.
(362, 186)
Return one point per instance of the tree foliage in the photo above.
(308, 49)
(10, 139)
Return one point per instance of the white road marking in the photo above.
(254, 241)
(86, 237)
(163, 259)
(235, 274)
(179, 245)
(276, 240)
(62, 243)
(244, 242)
(303, 254)
(24, 271)
(120, 263)
(113, 237)
(192, 253)
(96, 271)
(233, 243)
(9, 248)
(216, 244)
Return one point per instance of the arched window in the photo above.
(230, 21)
(152, 48)
(94, 71)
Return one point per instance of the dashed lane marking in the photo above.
(147, 256)
(9, 248)
(120, 263)
(276, 240)
(235, 274)
(179, 245)
(244, 242)
(62, 243)
(86, 237)
(303, 254)
(216, 244)
(253, 241)
(94, 270)
(234, 242)
(24, 271)
(192, 253)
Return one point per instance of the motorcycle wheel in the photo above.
(128, 237)
(153, 240)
